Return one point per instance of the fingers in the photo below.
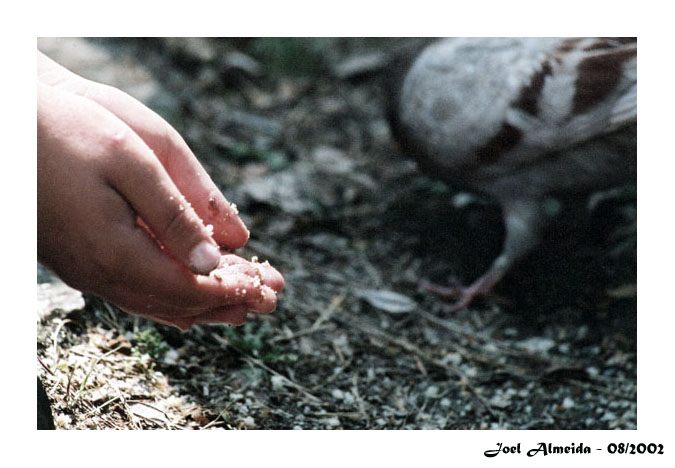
(141, 263)
(179, 162)
(235, 315)
(227, 299)
(169, 147)
(103, 146)
(142, 180)
(269, 275)
(138, 168)
(193, 181)
(152, 309)
(231, 315)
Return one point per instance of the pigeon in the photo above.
(519, 120)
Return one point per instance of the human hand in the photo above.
(124, 205)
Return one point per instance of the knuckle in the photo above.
(179, 223)
(120, 150)
(118, 139)
(168, 140)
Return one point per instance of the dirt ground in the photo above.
(294, 132)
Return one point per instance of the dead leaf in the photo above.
(389, 301)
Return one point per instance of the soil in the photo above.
(295, 133)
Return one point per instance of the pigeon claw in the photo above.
(463, 295)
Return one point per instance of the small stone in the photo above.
(431, 391)
(536, 344)
(174, 402)
(592, 371)
(62, 420)
(454, 359)
(568, 403)
(171, 357)
(57, 295)
(332, 422)
(277, 382)
(500, 401)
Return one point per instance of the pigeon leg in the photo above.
(524, 221)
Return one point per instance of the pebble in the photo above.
(491, 348)
(62, 420)
(469, 371)
(171, 357)
(592, 371)
(431, 391)
(277, 382)
(511, 332)
(57, 295)
(332, 422)
(500, 401)
(536, 344)
(173, 402)
(454, 359)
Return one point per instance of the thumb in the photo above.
(139, 176)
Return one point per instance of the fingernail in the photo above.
(204, 258)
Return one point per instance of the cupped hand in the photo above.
(126, 211)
